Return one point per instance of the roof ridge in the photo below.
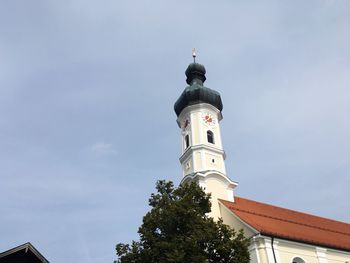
(290, 221)
(291, 210)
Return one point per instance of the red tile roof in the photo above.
(292, 225)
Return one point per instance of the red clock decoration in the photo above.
(209, 119)
(186, 123)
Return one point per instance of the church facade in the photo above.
(278, 235)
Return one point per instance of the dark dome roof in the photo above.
(195, 70)
(196, 93)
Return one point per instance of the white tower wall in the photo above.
(201, 155)
(202, 161)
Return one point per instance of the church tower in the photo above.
(198, 111)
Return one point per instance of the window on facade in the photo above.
(187, 141)
(298, 260)
(210, 137)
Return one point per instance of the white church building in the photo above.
(278, 235)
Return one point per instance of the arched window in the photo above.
(210, 137)
(187, 141)
(298, 260)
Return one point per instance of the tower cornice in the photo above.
(207, 174)
(193, 148)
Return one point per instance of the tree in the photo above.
(177, 229)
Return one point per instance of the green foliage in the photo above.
(177, 229)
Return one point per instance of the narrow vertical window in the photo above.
(210, 137)
(187, 141)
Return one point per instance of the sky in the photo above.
(87, 124)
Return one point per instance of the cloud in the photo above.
(102, 149)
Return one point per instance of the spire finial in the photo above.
(194, 55)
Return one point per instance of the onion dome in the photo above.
(196, 93)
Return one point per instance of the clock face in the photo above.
(208, 119)
(185, 123)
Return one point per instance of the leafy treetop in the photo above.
(177, 229)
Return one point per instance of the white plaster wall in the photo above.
(214, 162)
(309, 253)
(289, 250)
(217, 189)
(233, 221)
(195, 127)
(262, 251)
(187, 166)
(336, 256)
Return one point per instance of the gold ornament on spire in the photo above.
(194, 55)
